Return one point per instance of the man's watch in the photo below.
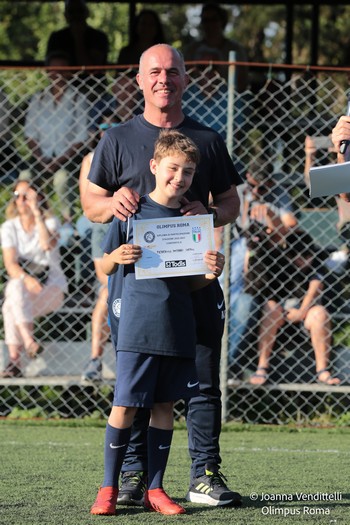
(213, 212)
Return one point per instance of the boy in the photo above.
(156, 330)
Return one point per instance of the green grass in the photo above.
(50, 473)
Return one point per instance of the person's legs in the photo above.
(99, 336)
(203, 412)
(65, 193)
(240, 313)
(99, 328)
(160, 434)
(318, 323)
(271, 321)
(116, 442)
(21, 307)
(203, 417)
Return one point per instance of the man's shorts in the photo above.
(145, 379)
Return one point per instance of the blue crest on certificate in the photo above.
(196, 233)
(174, 246)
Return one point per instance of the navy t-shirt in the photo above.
(122, 159)
(153, 316)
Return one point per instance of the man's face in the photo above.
(162, 77)
(57, 75)
(258, 189)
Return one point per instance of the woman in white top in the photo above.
(36, 283)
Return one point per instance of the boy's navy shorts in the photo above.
(145, 379)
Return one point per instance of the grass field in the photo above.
(50, 474)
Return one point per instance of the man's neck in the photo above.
(164, 119)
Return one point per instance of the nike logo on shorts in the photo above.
(163, 447)
(192, 385)
(117, 446)
(220, 305)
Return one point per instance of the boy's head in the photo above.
(174, 163)
(172, 143)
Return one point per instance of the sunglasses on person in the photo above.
(18, 194)
(106, 125)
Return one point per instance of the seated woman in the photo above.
(36, 283)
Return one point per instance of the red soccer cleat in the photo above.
(105, 501)
(158, 500)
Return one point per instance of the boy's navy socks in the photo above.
(116, 443)
(159, 442)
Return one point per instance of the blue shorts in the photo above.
(145, 379)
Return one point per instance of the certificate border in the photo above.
(141, 226)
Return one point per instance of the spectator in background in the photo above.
(266, 204)
(214, 20)
(99, 326)
(36, 284)
(84, 45)
(56, 131)
(147, 30)
(206, 96)
(289, 279)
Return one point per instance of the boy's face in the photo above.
(174, 175)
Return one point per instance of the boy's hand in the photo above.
(127, 254)
(215, 261)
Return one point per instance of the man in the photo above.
(56, 130)
(119, 175)
(85, 45)
(214, 20)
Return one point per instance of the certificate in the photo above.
(173, 246)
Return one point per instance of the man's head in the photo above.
(213, 18)
(162, 78)
(57, 61)
(75, 11)
(259, 176)
(174, 163)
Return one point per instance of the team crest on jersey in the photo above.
(116, 307)
(197, 233)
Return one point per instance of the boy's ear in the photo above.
(153, 166)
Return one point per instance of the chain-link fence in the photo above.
(274, 124)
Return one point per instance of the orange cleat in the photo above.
(158, 500)
(105, 502)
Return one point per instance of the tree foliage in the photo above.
(25, 28)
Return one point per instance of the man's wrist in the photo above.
(213, 212)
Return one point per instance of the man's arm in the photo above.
(226, 206)
(101, 205)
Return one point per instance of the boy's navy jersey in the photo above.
(122, 159)
(156, 315)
